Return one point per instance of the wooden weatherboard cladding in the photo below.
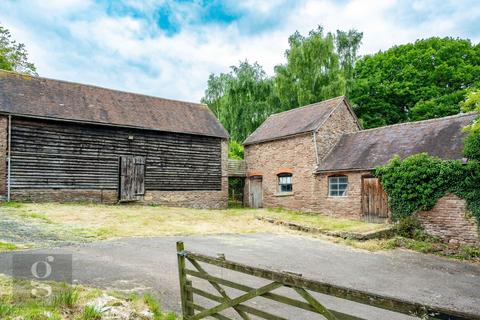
(51, 154)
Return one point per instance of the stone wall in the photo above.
(340, 121)
(297, 154)
(449, 220)
(349, 206)
(193, 199)
(3, 155)
(267, 159)
(65, 195)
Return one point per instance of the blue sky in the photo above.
(168, 48)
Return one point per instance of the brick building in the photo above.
(318, 158)
(62, 141)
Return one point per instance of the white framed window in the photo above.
(285, 182)
(337, 186)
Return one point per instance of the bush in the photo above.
(472, 145)
(417, 182)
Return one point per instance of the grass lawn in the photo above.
(74, 303)
(95, 221)
(322, 222)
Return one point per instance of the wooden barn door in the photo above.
(374, 200)
(132, 178)
(256, 193)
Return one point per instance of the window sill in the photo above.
(337, 197)
(283, 194)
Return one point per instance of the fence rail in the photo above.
(299, 284)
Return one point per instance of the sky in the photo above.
(169, 48)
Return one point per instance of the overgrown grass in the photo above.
(322, 221)
(67, 302)
(96, 221)
(6, 246)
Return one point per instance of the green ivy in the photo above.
(417, 182)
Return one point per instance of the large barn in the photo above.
(63, 141)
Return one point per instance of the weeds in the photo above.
(66, 298)
(90, 313)
(155, 308)
(5, 246)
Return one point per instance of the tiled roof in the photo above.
(295, 121)
(54, 99)
(366, 149)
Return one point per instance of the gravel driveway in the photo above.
(149, 264)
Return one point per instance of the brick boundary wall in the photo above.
(450, 221)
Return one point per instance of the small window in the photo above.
(285, 182)
(337, 186)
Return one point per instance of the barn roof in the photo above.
(366, 149)
(300, 120)
(46, 98)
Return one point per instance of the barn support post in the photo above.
(9, 157)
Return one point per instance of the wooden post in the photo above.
(183, 278)
(190, 309)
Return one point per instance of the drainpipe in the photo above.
(9, 159)
(316, 148)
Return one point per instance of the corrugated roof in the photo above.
(295, 121)
(47, 98)
(366, 149)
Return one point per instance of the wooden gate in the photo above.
(242, 307)
(132, 178)
(256, 193)
(374, 200)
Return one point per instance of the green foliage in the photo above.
(235, 150)
(467, 253)
(90, 313)
(421, 80)
(472, 145)
(13, 55)
(472, 141)
(240, 99)
(417, 182)
(318, 67)
(156, 309)
(313, 71)
(67, 297)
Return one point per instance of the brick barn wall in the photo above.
(341, 207)
(298, 153)
(3, 155)
(340, 122)
(449, 221)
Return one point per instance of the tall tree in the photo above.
(312, 72)
(13, 55)
(415, 81)
(241, 99)
(347, 45)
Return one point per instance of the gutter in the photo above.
(341, 170)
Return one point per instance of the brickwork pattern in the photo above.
(448, 220)
(341, 207)
(298, 153)
(340, 122)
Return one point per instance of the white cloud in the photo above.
(77, 40)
